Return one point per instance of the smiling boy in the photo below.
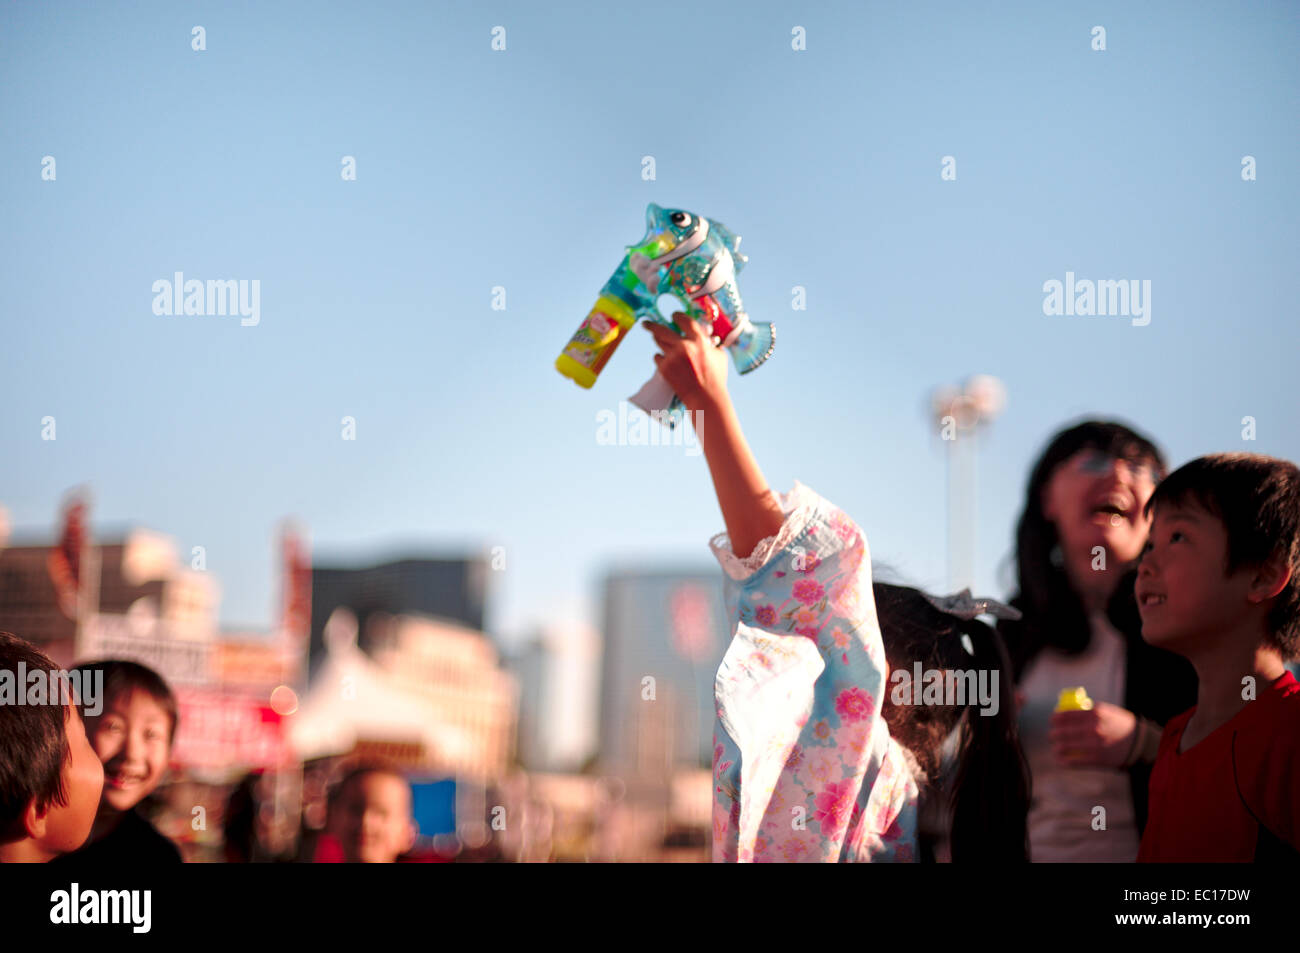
(1219, 584)
(133, 738)
(371, 815)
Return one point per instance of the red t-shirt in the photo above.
(1235, 795)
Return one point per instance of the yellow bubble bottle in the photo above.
(594, 342)
(1074, 699)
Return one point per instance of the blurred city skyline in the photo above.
(521, 169)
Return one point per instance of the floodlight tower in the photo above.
(960, 415)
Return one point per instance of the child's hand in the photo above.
(1098, 738)
(693, 365)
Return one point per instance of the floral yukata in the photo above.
(804, 768)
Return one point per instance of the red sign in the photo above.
(250, 666)
(220, 730)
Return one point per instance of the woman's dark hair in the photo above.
(988, 789)
(1053, 612)
(351, 772)
(238, 824)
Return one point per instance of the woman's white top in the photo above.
(1077, 814)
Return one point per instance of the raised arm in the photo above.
(803, 765)
(697, 370)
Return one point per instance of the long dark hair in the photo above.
(1053, 612)
(988, 789)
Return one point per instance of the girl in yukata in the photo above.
(820, 754)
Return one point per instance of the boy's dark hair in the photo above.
(33, 741)
(1257, 498)
(1053, 612)
(989, 789)
(360, 769)
(122, 676)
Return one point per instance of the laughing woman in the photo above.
(1078, 540)
(818, 754)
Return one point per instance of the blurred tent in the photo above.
(353, 700)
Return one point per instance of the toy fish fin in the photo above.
(730, 240)
(754, 346)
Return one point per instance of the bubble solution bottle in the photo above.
(603, 329)
(1074, 699)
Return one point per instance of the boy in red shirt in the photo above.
(370, 817)
(1219, 584)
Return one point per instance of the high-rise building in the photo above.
(664, 635)
(531, 666)
(452, 589)
(558, 676)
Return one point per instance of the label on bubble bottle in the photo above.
(594, 342)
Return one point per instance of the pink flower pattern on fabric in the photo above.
(808, 591)
(833, 803)
(854, 704)
(807, 771)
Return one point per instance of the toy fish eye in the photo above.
(681, 219)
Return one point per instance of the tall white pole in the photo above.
(960, 416)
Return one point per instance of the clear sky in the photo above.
(522, 169)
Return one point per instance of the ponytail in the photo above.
(987, 791)
(991, 787)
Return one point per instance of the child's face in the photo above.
(374, 819)
(1184, 595)
(132, 739)
(67, 827)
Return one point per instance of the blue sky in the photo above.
(522, 168)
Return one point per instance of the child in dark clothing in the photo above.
(1219, 584)
(50, 779)
(133, 738)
